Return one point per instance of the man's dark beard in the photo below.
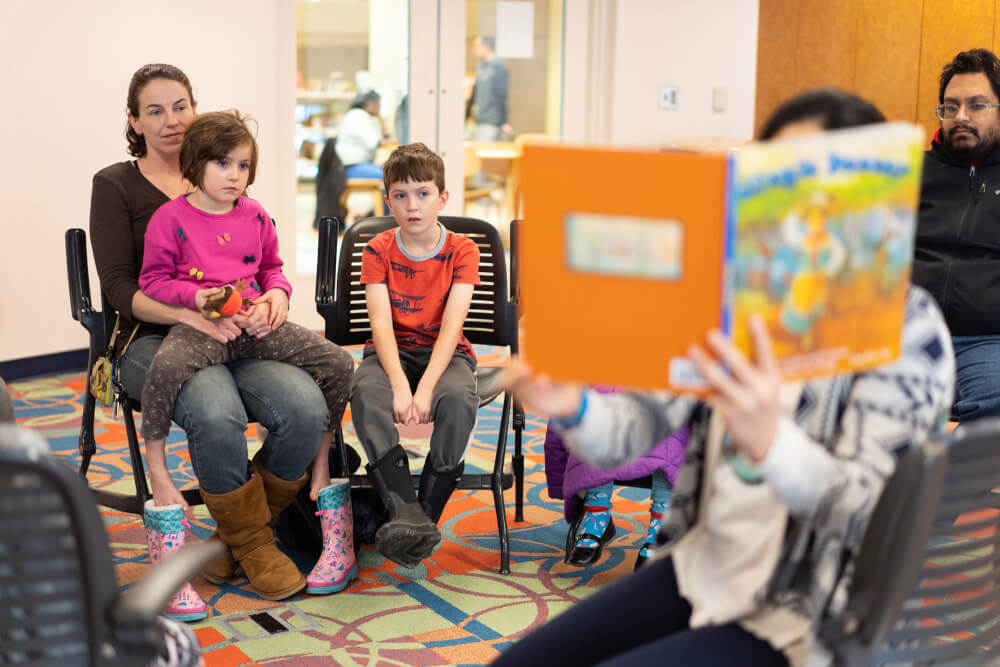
(976, 153)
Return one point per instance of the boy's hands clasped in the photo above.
(411, 408)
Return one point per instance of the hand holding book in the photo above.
(745, 395)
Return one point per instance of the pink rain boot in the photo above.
(336, 565)
(165, 534)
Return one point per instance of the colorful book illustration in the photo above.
(629, 257)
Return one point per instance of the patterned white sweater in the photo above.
(828, 464)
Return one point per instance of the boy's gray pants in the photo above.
(453, 406)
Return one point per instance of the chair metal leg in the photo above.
(338, 442)
(86, 445)
(128, 503)
(135, 454)
(497, 488)
(517, 463)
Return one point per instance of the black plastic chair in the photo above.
(6, 404)
(61, 603)
(926, 590)
(492, 320)
(99, 324)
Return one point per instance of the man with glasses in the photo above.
(958, 234)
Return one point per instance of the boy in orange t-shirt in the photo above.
(418, 367)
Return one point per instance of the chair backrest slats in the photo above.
(491, 315)
(951, 577)
(49, 595)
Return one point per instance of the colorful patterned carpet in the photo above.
(455, 609)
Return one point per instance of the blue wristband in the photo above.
(565, 423)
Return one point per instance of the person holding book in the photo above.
(776, 489)
(418, 367)
(957, 256)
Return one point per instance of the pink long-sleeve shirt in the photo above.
(187, 249)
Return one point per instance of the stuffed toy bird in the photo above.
(226, 303)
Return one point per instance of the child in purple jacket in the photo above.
(590, 522)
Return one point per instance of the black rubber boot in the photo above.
(408, 536)
(436, 488)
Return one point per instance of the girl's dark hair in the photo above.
(362, 99)
(831, 108)
(212, 136)
(142, 76)
(972, 62)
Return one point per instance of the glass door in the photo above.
(512, 93)
(477, 80)
(351, 98)
(493, 82)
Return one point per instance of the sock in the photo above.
(597, 506)
(660, 496)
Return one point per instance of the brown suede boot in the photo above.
(244, 523)
(223, 568)
(280, 494)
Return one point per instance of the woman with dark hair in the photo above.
(819, 110)
(215, 405)
(360, 135)
(793, 471)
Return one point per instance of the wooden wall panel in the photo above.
(827, 43)
(996, 27)
(948, 27)
(889, 51)
(777, 37)
(888, 55)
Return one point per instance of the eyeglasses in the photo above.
(949, 111)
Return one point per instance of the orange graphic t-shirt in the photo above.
(419, 285)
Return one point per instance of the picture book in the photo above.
(628, 257)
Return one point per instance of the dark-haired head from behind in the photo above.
(414, 162)
(369, 97)
(213, 136)
(828, 108)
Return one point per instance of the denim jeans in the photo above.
(363, 170)
(639, 620)
(216, 404)
(977, 386)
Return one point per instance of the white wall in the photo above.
(697, 46)
(67, 67)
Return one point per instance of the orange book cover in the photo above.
(619, 323)
(628, 257)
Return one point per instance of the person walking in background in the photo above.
(488, 106)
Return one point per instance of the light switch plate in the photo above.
(720, 99)
(668, 97)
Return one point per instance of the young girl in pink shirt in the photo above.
(196, 246)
